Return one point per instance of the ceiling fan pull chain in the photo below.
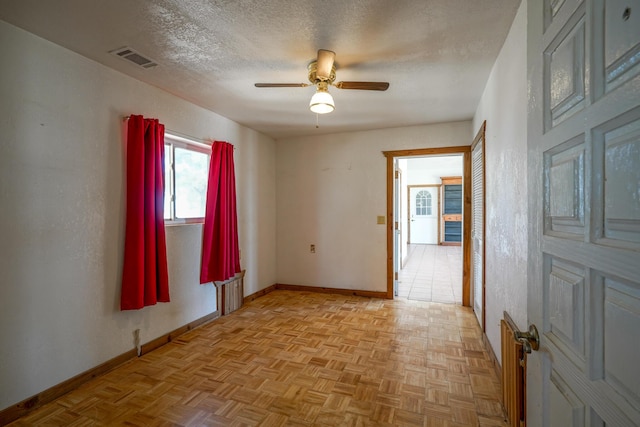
(317, 125)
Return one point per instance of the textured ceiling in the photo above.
(436, 54)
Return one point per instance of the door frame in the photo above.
(465, 151)
(397, 229)
(438, 213)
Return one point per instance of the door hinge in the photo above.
(397, 174)
(396, 225)
(396, 276)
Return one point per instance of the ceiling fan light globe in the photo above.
(322, 103)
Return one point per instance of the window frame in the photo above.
(428, 203)
(171, 142)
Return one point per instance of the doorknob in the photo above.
(530, 340)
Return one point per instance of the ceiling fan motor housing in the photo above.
(315, 79)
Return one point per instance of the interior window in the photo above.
(423, 203)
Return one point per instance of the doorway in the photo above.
(395, 221)
(431, 267)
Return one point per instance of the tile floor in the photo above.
(432, 273)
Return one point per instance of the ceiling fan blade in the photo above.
(363, 85)
(282, 84)
(325, 64)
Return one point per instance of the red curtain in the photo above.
(220, 255)
(144, 277)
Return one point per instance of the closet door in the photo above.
(477, 224)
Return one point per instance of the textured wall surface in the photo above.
(62, 208)
(504, 107)
(330, 190)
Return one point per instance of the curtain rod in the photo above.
(191, 139)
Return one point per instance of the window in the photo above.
(423, 203)
(186, 174)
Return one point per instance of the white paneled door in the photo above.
(584, 202)
(423, 214)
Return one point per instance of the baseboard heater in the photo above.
(514, 368)
(230, 293)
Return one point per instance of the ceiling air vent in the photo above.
(133, 56)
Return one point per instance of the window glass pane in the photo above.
(167, 181)
(421, 203)
(191, 170)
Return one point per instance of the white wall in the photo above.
(504, 107)
(430, 170)
(329, 191)
(62, 210)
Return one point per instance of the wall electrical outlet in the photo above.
(312, 249)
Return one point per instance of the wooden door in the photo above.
(584, 202)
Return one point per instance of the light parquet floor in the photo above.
(302, 359)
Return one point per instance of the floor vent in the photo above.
(514, 366)
(131, 55)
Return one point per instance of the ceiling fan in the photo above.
(322, 74)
